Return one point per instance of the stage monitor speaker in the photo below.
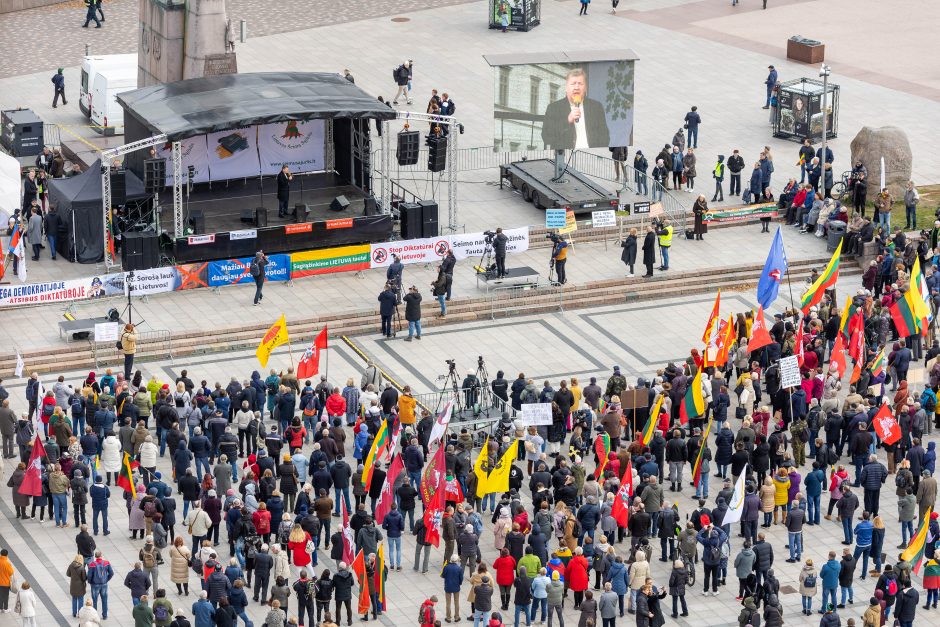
(118, 187)
(429, 213)
(261, 217)
(197, 219)
(409, 145)
(140, 251)
(154, 175)
(371, 207)
(339, 204)
(247, 216)
(301, 213)
(410, 220)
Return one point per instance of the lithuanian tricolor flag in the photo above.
(826, 280)
(125, 477)
(914, 553)
(931, 574)
(878, 363)
(693, 403)
(602, 450)
(378, 579)
(904, 314)
(845, 321)
(697, 468)
(654, 418)
(378, 443)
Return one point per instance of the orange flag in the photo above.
(837, 356)
(359, 567)
(760, 337)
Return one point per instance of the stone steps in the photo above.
(78, 355)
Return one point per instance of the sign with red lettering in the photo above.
(303, 227)
(341, 223)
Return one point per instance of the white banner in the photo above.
(194, 152)
(790, 372)
(106, 332)
(153, 281)
(535, 414)
(297, 144)
(432, 250)
(243, 234)
(234, 153)
(59, 291)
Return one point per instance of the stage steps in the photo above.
(78, 355)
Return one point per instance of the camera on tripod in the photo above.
(479, 361)
(489, 236)
(451, 364)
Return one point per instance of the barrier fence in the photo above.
(155, 342)
(518, 298)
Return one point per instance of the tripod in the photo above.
(450, 385)
(129, 307)
(486, 400)
(486, 267)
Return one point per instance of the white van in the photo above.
(107, 116)
(91, 65)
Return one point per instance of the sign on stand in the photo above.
(790, 372)
(536, 414)
(555, 218)
(106, 332)
(603, 218)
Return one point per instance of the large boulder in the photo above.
(890, 142)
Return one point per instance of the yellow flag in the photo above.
(275, 336)
(498, 480)
(478, 469)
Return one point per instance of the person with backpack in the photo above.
(426, 613)
(150, 558)
(711, 538)
(305, 589)
(256, 270)
(402, 78)
(808, 586)
(162, 609)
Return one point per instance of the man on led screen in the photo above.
(575, 121)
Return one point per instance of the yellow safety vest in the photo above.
(719, 170)
(666, 240)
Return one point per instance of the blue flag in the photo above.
(774, 269)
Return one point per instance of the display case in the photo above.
(523, 14)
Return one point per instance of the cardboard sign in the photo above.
(603, 218)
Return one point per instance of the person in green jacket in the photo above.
(143, 615)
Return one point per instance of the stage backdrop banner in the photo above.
(233, 154)
(88, 288)
(297, 144)
(473, 244)
(195, 153)
(329, 260)
(232, 271)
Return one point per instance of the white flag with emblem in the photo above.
(736, 506)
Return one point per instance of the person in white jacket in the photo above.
(88, 616)
(148, 458)
(198, 523)
(111, 456)
(281, 565)
(26, 602)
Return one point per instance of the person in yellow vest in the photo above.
(664, 231)
(406, 407)
(560, 257)
(719, 174)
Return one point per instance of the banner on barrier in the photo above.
(232, 271)
(329, 260)
(153, 281)
(432, 250)
(87, 288)
(473, 244)
(295, 143)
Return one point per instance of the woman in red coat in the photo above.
(576, 576)
(297, 544)
(505, 567)
(262, 520)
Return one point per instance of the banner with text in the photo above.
(329, 260)
(433, 249)
(88, 288)
(295, 143)
(232, 271)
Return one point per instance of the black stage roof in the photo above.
(215, 103)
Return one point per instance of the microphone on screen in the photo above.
(577, 100)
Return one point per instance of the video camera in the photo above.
(489, 236)
(451, 364)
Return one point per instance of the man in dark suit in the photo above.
(284, 179)
(447, 109)
(575, 121)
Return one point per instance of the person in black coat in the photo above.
(387, 303)
(649, 251)
(628, 256)
(413, 312)
(284, 179)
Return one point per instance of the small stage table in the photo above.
(514, 276)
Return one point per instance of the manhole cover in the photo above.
(401, 19)
(786, 589)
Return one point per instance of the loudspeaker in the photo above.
(261, 217)
(154, 175)
(339, 204)
(140, 251)
(428, 218)
(409, 144)
(247, 216)
(437, 153)
(197, 219)
(410, 220)
(118, 187)
(301, 212)
(371, 207)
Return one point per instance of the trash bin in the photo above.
(835, 231)
(800, 48)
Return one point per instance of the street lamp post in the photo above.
(824, 72)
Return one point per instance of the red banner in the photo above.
(621, 508)
(433, 476)
(32, 482)
(309, 363)
(886, 426)
(384, 503)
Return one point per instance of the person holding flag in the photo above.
(774, 269)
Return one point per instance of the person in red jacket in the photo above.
(335, 405)
(427, 612)
(505, 567)
(295, 435)
(262, 520)
(576, 576)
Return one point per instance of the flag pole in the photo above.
(789, 284)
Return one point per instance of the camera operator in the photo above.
(394, 276)
(471, 387)
(559, 256)
(499, 250)
(413, 312)
(387, 304)
(447, 265)
(664, 231)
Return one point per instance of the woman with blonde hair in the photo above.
(297, 543)
(179, 565)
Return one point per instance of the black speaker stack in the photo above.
(154, 175)
(118, 187)
(197, 219)
(437, 153)
(429, 211)
(409, 145)
(140, 251)
(410, 220)
(261, 217)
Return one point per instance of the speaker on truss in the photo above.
(154, 175)
(437, 153)
(118, 187)
(409, 144)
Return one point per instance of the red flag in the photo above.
(621, 507)
(434, 512)
(837, 356)
(886, 426)
(800, 349)
(432, 475)
(857, 346)
(309, 364)
(32, 482)
(359, 568)
(760, 337)
(349, 541)
(384, 503)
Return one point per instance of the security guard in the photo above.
(665, 241)
(91, 14)
(559, 257)
(719, 174)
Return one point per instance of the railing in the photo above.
(483, 409)
(155, 342)
(468, 159)
(517, 298)
(51, 135)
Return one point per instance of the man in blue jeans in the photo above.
(99, 574)
(846, 509)
(829, 574)
(863, 533)
(99, 494)
(814, 483)
(692, 120)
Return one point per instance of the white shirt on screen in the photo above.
(580, 131)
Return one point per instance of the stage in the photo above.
(222, 202)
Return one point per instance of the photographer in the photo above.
(387, 304)
(413, 312)
(256, 270)
(559, 256)
(394, 276)
(447, 265)
(499, 249)
(439, 290)
(664, 231)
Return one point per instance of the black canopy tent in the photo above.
(78, 200)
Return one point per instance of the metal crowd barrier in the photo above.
(154, 342)
(518, 298)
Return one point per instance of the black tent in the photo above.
(78, 202)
